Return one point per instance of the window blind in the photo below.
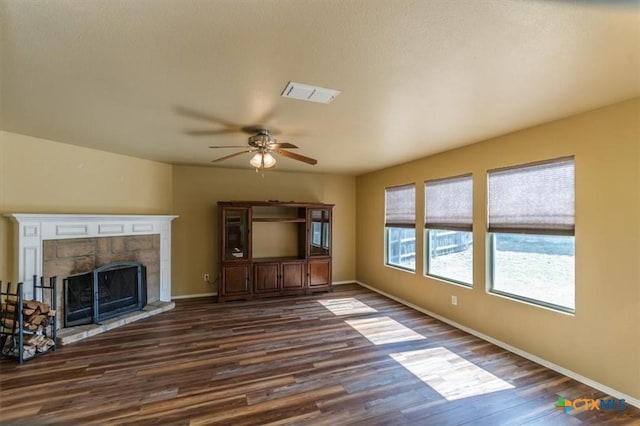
(449, 203)
(536, 198)
(400, 206)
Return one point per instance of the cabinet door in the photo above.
(235, 279)
(319, 235)
(235, 233)
(319, 273)
(292, 275)
(266, 277)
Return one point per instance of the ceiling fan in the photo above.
(261, 143)
(263, 146)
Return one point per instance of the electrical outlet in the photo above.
(206, 278)
(454, 300)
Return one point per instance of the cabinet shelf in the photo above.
(280, 219)
(276, 259)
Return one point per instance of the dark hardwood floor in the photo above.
(347, 357)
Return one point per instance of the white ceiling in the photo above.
(417, 77)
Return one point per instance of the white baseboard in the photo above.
(580, 378)
(191, 296)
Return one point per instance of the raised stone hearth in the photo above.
(74, 334)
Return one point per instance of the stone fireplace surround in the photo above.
(94, 239)
(63, 258)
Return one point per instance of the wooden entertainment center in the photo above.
(273, 248)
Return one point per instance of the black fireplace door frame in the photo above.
(92, 307)
(142, 289)
(83, 314)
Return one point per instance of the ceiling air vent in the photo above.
(304, 92)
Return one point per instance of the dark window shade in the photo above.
(537, 198)
(449, 203)
(400, 206)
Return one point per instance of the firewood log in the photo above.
(9, 323)
(45, 345)
(39, 343)
(37, 319)
(31, 304)
(9, 307)
(36, 340)
(28, 352)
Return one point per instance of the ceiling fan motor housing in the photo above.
(261, 139)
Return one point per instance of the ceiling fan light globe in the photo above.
(256, 160)
(268, 160)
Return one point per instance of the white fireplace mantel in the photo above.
(33, 229)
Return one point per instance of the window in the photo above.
(531, 231)
(400, 226)
(448, 223)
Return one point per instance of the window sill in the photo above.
(400, 268)
(530, 302)
(449, 281)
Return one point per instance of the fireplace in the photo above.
(105, 292)
(66, 245)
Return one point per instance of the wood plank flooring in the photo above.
(318, 360)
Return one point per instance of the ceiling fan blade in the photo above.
(255, 128)
(267, 117)
(282, 145)
(207, 117)
(230, 156)
(212, 132)
(227, 146)
(298, 157)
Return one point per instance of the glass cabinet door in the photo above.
(236, 233)
(319, 232)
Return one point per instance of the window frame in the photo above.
(457, 226)
(491, 244)
(403, 224)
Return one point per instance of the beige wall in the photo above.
(602, 340)
(42, 176)
(196, 190)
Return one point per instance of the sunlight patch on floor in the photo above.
(450, 375)
(346, 306)
(383, 330)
